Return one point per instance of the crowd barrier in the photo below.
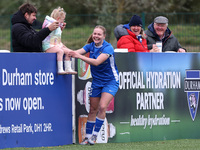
(157, 99)
(35, 102)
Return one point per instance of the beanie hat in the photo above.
(135, 21)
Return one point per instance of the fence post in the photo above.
(11, 49)
(143, 20)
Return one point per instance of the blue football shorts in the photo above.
(109, 87)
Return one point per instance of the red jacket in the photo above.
(131, 42)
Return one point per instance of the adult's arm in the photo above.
(181, 49)
(126, 42)
(29, 37)
(95, 62)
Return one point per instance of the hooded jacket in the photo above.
(54, 38)
(169, 42)
(131, 42)
(24, 37)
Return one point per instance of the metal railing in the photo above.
(185, 27)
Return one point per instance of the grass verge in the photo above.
(185, 144)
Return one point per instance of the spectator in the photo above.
(24, 37)
(159, 31)
(134, 37)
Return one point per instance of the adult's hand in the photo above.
(73, 54)
(53, 26)
(181, 50)
(154, 48)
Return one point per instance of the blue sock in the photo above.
(98, 124)
(89, 127)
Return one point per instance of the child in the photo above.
(53, 44)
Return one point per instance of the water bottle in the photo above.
(159, 45)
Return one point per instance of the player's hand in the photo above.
(73, 54)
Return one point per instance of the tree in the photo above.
(96, 6)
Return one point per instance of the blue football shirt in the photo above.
(106, 71)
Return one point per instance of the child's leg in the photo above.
(67, 62)
(60, 54)
(58, 51)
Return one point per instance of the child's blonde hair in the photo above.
(58, 12)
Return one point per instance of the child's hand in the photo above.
(63, 25)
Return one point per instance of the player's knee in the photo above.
(102, 108)
(93, 110)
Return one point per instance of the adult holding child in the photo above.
(24, 37)
(105, 81)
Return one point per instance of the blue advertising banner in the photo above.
(35, 102)
(158, 98)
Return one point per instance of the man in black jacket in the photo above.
(24, 37)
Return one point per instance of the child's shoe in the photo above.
(68, 68)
